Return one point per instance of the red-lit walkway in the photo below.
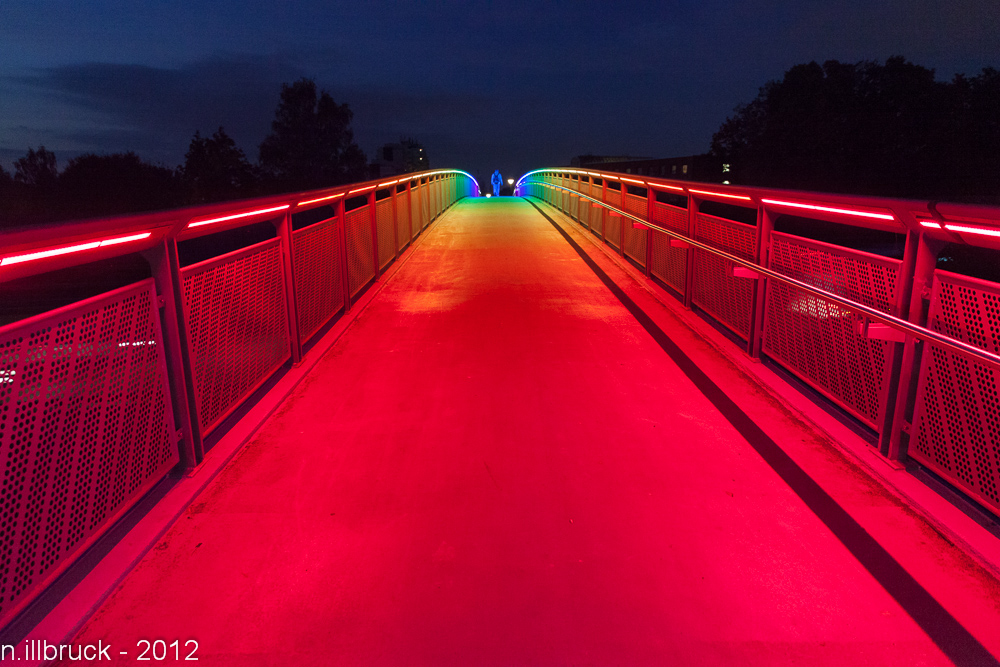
(497, 464)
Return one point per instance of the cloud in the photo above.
(108, 107)
(167, 104)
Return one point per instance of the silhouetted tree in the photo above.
(976, 132)
(93, 185)
(866, 128)
(6, 183)
(216, 169)
(311, 144)
(8, 198)
(37, 169)
(28, 196)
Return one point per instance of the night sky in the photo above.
(483, 85)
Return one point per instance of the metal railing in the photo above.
(101, 398)
(909, 350)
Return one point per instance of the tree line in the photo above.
(869, 128)
(311, 145)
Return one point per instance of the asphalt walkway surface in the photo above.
(502, 463)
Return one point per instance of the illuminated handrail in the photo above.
(921, 333)
(957, 223)
(187, 360)
(22, 250)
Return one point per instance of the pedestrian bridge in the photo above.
(611, 420)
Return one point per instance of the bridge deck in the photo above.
(499, 464)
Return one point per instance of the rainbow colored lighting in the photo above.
(248, 214)
(829, 209)
(65, 250)
(719, 194)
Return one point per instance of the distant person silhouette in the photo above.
(497, 181)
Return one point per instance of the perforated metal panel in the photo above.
(360, 258)
(636, 205)
(237, 327)
(816, 339)
(415, 223)
(671, 217)
(634, 240)
(403, 230)
(725, 298)
(85, 428)
(597, 215)
(613, 197)
(956, 419)
(386, 232)
(425, 206)
(667, 263)
(613, 230)
(319, 289)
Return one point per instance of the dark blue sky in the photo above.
(484, 85)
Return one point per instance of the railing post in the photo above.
(623, 205)
(409, 209)
(284, 228)
(689, 266)
(165, 265)
(604, 211)
(395, 222)
(924, 261)
(758, 303)
(374, 222)
(650, 208)
(345, 272)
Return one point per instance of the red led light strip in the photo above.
(370, 187)
(200, 223)
(829, 209)
(632, 180)
(668, 187)
(54, 252)
(982, 231)
(719, 194)
(313, 201)
(962, 229)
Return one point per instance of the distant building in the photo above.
(690, 168)
(400, 158)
